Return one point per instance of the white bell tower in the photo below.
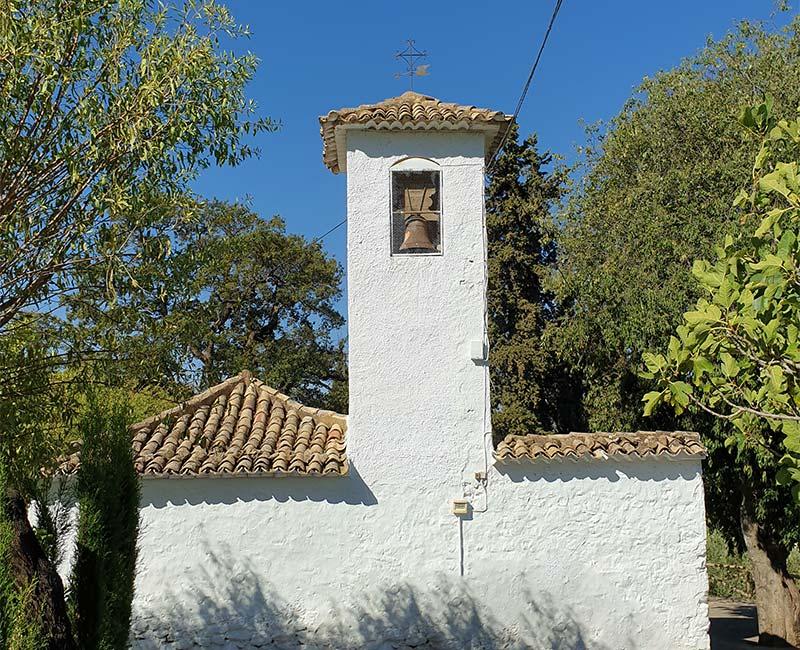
(416, 278)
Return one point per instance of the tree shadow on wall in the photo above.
(228, 605)
(446, 615)
(223, 604)
(563, 471)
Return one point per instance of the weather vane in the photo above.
(411, 56)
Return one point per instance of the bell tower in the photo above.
(416, 279)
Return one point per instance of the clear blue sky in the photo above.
(318, 56)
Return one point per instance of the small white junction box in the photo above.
(477, 351)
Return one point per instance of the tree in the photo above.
(33, 612)
(107, 493)
(737, 355)
(234, 292)
(108, 110)
(654, 193)
(527, 389)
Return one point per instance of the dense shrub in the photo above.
(728, 572)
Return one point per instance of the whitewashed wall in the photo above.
(591, 554)
(572, 555)
(417, 399)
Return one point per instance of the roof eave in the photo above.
(336, 160)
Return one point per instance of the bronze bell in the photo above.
(417, 204)
(416, 237)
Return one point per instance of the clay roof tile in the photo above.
(408, 111)
(642, 444)
(239, 427)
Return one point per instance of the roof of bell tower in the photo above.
(409, 111)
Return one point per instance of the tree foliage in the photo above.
(527, 386)
(654, 193)
(107, 111)
(35, 405)
(107, 494)
(235, 292)
(737, 355)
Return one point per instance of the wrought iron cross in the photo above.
(411, 56)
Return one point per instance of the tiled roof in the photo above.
(241, 427)
(408, 111)
(642, 444)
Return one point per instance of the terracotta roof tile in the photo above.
(241, 427)
(642, 444)
(408, 111)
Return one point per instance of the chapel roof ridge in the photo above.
(246, 377)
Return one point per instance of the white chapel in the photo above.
(270, 524)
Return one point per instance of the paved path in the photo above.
(733, 625)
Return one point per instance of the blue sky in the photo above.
(321, 56)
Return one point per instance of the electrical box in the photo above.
(477, 351)
(460, 507)
(480, 476)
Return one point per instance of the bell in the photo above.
(416, 237)
(417, 203)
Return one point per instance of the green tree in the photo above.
(529, 392)
(107, 494)
(33, 613)
(108, 110)
(737, 355)
(653, 194)
(235, 292)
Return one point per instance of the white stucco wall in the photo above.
(416, 398)
(566, 555)
(591, 554)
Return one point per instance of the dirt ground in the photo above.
(734, 625)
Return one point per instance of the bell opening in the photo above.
(415, 212)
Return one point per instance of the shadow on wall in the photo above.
(226, 606)
(444, 614)
(349, 489)
(229, 607)
(597, 469)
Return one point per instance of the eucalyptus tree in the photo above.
(108, 110)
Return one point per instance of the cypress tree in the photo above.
(529, 394)
(107, 491)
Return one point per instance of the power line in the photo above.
(316, 240)
(526, 86)
(328, 232)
